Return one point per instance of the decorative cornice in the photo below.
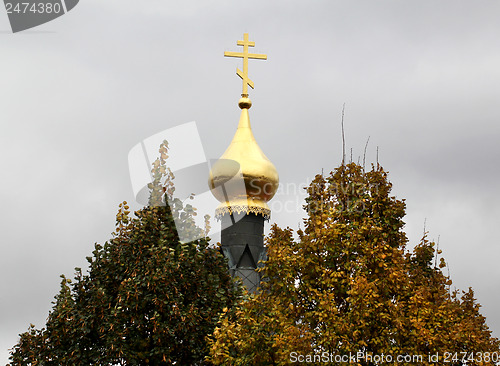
(232, 209)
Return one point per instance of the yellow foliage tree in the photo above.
(347, 291)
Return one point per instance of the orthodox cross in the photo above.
(245, 56)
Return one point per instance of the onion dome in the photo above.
(243, 179)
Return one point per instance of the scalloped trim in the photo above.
(221, 211)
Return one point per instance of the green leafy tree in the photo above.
(147, 298)
(348, 286)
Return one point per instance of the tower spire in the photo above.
(243, 180)
(245, 56)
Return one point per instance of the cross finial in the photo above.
(245, 56)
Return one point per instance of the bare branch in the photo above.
(343, 136)
(364, 154)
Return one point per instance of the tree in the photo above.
(147, 298)
(347, 290)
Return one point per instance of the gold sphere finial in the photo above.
(245, 102)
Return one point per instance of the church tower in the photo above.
(244, 180)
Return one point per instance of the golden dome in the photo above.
(243, 179)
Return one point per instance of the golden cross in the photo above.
(245, 56)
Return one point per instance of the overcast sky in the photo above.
(421, 78)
